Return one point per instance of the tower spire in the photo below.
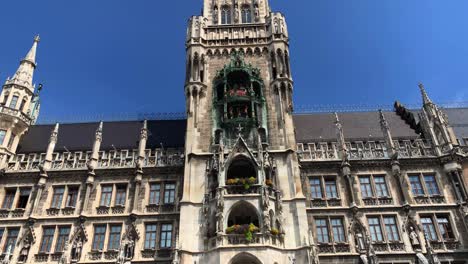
(425, 97)
(24, 74)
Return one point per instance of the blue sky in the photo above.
(113, 56)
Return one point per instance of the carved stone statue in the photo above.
(257, 13)
(219, 221)
(219, 200)
(266, 221)
(24, 251)
(266, 199)
(76, 250)
(129, 248)
(414, 237)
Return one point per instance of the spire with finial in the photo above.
(24, 74)
(425, 97)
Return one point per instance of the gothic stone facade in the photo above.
(242, 179)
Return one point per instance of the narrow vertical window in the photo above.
(150, 236)
(380, 186)
(375, 229)
(9, 197)
(23, 103)
(391, 228)
(1, 233)
(120, 195)
(12, 235)
(23, 198)
(445, 228)
(428, 227)
(338, 230)
(47, 238)
(315, 188)
(366, 188)
(106, 195)
(226, 15)
(57, 197)
(2, 136)
(169, 193)
(114, 237)
(246, 15)
(330, 188)
(14, 101)
(11, 140)
(166, 236)
(64, 233)
(5, 98)
(72, 197)
(155, 193)
(431, 185)
(99, 236)
(322, 231)
(416, 185)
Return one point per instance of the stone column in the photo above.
(139, 165)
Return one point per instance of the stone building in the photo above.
(241, 180)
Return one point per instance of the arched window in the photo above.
(5, 98)
(226, 15)
(14, 101)
(246, 15)
(23, 103)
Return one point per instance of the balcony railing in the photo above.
(107, 159)
(239, 239)
(364, 150)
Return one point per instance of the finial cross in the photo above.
(239, 130)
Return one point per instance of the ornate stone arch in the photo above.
(247, 207)
(245, 258)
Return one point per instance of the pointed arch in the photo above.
(189, 68)
(225, 53)
(226, 15)
(274, 70)
(243, 213)
(287, 63)
(196, 66)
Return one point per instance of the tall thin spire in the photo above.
(425, 97)
(24, 74)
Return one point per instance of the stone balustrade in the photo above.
(364, 150)
(107, 159)
(239, 239)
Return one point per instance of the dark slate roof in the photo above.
(356, 126)
(121, 135)
(458, 118)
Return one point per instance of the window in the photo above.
(72, 197)
(99, 236)
(106, 195)
(380, 186)
(114, 237)
(150, 236)
(315, 188)
(155, 193)
(120, 195)
(166, 236)
(373, 186)
(375, 229)
(428, 227)
(23, 103)
(431, 185)
(225, 15)
(23, 198)
(322, 230)
(9, 198)
(14, 101)
(416, 185)
(57, 197)
(327, 183)
(1, 233)
(366, 188)
(47, 239)
(391, 228)
(2, 136)
(445, 228)
(12, 235)
(246, 15)
(169, 193)
(338, 230)
(324, 235)
(5, 98)
(330, 188)
(11, 140)
(63, 234)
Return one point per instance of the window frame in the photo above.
(11, 201)
(373, 185)
(330, 229)
(246, 14)
(114, 239)
(120, 197)
(76, 194)
(98, 244)
(155, 195)
(226, 15)
(47, 240)
(3, 133)
(172, 193)
(106, 197)
(383, 228)
(9, 237)
(424, 187)
(434, 217)
(61, 239)
(323, 187)
(55, 202)
(152, 239)
(165, 240)
(15, 99)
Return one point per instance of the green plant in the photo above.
(252, 180)
(274, 231)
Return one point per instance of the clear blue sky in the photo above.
(116, 56)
